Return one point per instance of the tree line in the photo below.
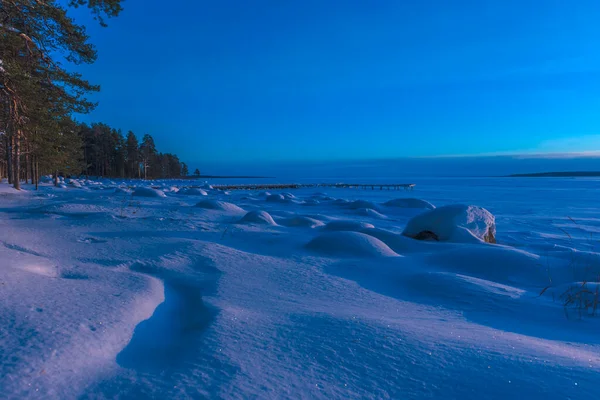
(39, 96)
(107, 152)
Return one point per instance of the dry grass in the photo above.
(580, 298)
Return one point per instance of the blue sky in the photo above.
(239, 81)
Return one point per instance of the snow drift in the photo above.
(350, 244)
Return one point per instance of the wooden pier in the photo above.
(281, 186)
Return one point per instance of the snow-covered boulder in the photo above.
(276, 198)
(192, 192)
(409, 203)
(258, 217)
(220, 206)
(122, 190)
(302, 222)
(350, 244)
(454, 223)
(148, 192)
(46, 179)
(311, 202)
(369, 212)
(344, 225)
(357, 204)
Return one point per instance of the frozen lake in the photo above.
(117, 289)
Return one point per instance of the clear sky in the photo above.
(233, 80)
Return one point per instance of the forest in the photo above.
(40, 92)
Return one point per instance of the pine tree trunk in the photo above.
(55, 178)
(27, 164)
(17, 156)
(31, 157)
(37, 173)
(9, 165)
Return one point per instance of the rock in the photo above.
(455, 223)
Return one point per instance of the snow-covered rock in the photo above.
(122, 190)
(220, 206)
(192, 192)
(302, 222)
(356, 204)
(276, 198)
(258, 217)
(409, 203)
(148, 192)
(369, 212)
(350, 244)
(454, 223)
(345, 225)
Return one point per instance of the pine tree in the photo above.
(197, 172)
(37, 94)
(133, 156)
(184, 169)
(148, 155)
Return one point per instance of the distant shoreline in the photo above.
(574, 174)
(227, 177)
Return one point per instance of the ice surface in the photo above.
(108, 295)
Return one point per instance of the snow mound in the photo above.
(192, 192)
(350, 244)
(356, 204)
(369, 212)
(302, 222)
(276, 198)
(75, 183)
(258, 217)
(220, 206)
(409, 203)
(122, 190)
(341, 202)
(344, 225)
(288, 195)
(311, 202)
(148, 192)
(455, 223)
(264, 194)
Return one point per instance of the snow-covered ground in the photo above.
(117, 289)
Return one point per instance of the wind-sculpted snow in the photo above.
(409, 203)
(148, 192)
(349, 244)
(151, 289)
(258, 217)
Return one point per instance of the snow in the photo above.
(192, 192)
(347, 225)
(258, 217)
(409, 203)
(220, 206)
(148, 192)
(302, 221)
(353, 244)
(454, 223)
(369, 212)
(108, 295)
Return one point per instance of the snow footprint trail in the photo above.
(166, 338)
